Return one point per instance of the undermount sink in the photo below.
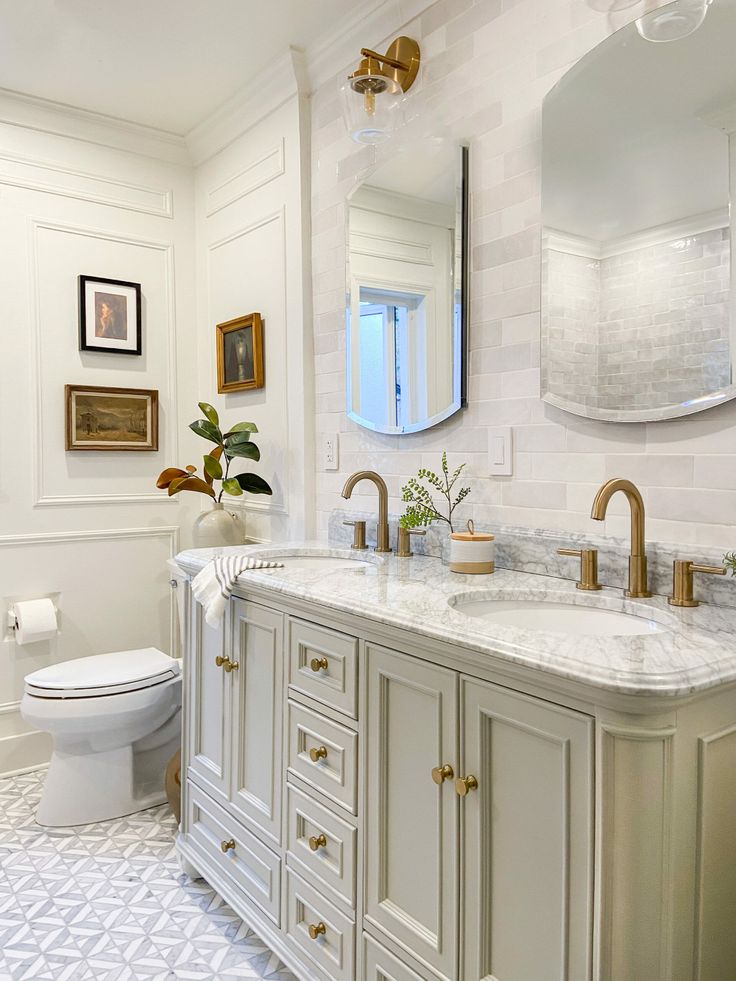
(319, 562)
(559, 617)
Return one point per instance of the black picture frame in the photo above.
(91, 327)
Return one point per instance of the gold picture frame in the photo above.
(240, 354)
(111, 418)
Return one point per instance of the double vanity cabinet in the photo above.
(379, 803)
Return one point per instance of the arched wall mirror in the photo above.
(407, 290)
(639, 147)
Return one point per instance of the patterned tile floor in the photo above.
(107, 902)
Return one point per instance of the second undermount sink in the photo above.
(318, 561)
(559, 617)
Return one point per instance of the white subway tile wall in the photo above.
(487, 67)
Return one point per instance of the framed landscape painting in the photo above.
(111, 418)
(240, 354)
(109, 316)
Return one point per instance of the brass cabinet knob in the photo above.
(227, 846)
(319, 664)
(442, 773)
(317, 929)
(318, 841)
(463, 785)
(317, 754)
(220, 661)
(231, 666)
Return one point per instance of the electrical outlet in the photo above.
(328, 450)
(500, 452)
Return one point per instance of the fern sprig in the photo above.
(421, 507)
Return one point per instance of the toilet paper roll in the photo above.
(35, 620)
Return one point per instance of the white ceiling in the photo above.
(163, 63)
(626, 146)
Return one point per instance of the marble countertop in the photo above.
(694, 649)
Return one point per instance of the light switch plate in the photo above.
(329, 451)
(500, 451)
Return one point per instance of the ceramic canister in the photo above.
(472, 552)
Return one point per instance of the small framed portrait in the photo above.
(109, 316)
(240, 354)
(111, 418)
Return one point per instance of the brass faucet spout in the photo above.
(638, 585)
(382, 543)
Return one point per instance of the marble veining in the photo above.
(695, 653)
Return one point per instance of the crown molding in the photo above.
(59, 119)
(284, 78)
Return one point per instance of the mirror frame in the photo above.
(463, 278)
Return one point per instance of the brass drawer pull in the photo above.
(442, 773)
(463, 785)
(317, 929)
(316, 755)
(319, 664)
(320, 841)
(227, 846)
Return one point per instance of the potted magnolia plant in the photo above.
(421, 506)
(218, 526)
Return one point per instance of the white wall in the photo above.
(89, 528)
(487, 66)
(252, 216)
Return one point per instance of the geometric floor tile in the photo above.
(108, 902)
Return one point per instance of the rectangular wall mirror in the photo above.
(407, 289)
(639, 145)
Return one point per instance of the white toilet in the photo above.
(115, 720)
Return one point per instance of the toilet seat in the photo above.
(103, 674)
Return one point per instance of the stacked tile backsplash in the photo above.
(486, 68)
(535, 551)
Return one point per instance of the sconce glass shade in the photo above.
(674, 21)
(372, 107)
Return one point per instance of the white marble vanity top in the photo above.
(690, 650)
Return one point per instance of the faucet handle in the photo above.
(358, 535)
(588, 566)
(404, 550)
(682, 580)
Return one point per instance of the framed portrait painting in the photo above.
(111, 418)
(109, 316)
(240, 354)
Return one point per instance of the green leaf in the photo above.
(206, 430)
(236, 438)
(231, 486)
(244, 427)
(253, 484)
(246, 450)
(212, 467)
(210, 412)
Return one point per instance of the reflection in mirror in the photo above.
(639, 142)
(406, 290)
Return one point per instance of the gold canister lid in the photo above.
(471, 535)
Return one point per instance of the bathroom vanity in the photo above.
(386, 780)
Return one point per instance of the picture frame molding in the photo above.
(83, 343)
(255, 321)
(71, 446)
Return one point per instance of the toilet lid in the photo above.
(103, 674)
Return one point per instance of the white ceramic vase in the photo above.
(218, 527)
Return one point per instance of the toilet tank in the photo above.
(178, 581)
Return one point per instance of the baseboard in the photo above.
(23, 752)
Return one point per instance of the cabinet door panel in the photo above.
(209, 720)
(257, 717)
(526, 838)
(411, 822)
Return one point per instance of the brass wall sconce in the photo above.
(382, 81)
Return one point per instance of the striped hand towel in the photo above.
(213, 585)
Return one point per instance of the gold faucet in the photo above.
(382, 545)
(638, 585)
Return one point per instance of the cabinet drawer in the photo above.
(330, 857)
(250, 864)
(333, 771)
(323, 664)
(333, 948)
(378, 964)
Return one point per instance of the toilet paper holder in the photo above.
(12, 618)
